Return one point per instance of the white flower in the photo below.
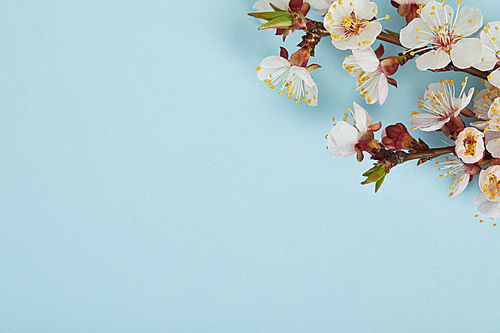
(296, 81)
(492, 129)
(441, 105)
(482, 104)
(438, 27)
(469, 145)
(349, 24)
(372, 82)
(343, 136)
(490, 55)
(457, 169)
(490, 189)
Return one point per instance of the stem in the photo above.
(427, 154)
(394, 158)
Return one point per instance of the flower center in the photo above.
(352, 25)
(470, 144)
(444, 39)
(491, 188)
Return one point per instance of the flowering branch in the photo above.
(439, 39)
(388, 38)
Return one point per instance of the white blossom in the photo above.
(372, 82)
(445, 32)
(440, 104)
(296, 81)
(349, 24)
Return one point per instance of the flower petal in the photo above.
(366, 59)
(361, 118)
(469, 20)
(415, 34)
(383, 89)
(490, 209)
(369, 34)
(270, 65)
(466, 52)
(459, 184)
(427, 122)
(342, 139)
(364, 9)
(494, 78)
(433, 60)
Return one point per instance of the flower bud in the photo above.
(389, 65)
(396, 137)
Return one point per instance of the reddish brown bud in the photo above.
(389, 65)
(396, 137)
(495, 161)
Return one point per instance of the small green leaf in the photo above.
(369, 172)
(268, 16)
(376, 175)
(378, 184)
(283, 21)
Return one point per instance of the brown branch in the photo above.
(394, 158)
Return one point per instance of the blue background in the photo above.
(150, 183)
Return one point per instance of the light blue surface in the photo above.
(150, 183)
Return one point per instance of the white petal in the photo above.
(464, 101)
(369, 34)
(493, 146)
(361, 118)
(490, 209)
(488, 57)
(383, 89)
(466, 52)
(321, 5)
(271, 65)
(459, 184)
(427, 122)
(351, 66)
(494, 78)
(493, 110)
(477, 198)
(415, 34)
(469, 20)
(364, 9)
(366, 59)
(437, 13)
(342, 139)
(433, 60)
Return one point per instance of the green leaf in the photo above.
(268, 16)
(376, 175)
(378, 184)
(283, 21)
(372, 170)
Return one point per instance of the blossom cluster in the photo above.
(439, 38)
